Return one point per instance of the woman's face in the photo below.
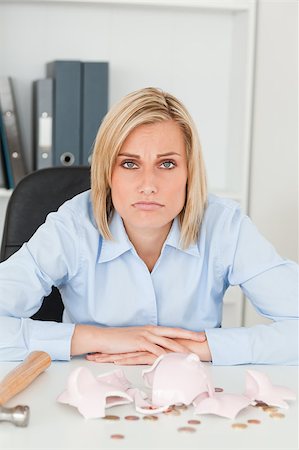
(148, 185)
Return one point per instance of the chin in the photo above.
(151, 223)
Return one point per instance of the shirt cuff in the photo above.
(229, 346)
(51, 337)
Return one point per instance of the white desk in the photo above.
(57, 426)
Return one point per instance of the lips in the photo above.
(147, 206)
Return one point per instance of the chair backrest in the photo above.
(35, 196)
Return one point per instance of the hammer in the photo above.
(17, 380)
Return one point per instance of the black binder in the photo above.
(3, 178)
(95, 104)
(42, 122)
(66, 111)
(10, 134)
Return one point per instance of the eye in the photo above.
(168, 164)
(128, 165)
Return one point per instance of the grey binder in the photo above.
(95, 104)
(66, 112)
(43, 118)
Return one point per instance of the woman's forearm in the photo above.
(85, 339)
(113, 340)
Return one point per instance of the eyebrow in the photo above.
(161, 155)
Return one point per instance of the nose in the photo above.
(148, 184)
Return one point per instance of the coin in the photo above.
(150, 417)
(270, 409)
(170, 408)
(261, 405)
(172, 412)
(187, 429)
(194, 422)
(132, 417)
(111, 417)
(117, 436)
(276, 415)
(239, 426)
(265, 408)
(218, 389)
(149, 408)
(255, 421)
(181, 406)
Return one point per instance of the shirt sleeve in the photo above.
(49, 258)
(271, 284)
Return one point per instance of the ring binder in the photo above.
(66, 77)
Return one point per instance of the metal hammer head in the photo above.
(19, 415)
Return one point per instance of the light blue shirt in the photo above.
(105, 283)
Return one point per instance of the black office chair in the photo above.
(35, 196)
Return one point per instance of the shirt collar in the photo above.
(120, 244)
(173, 239)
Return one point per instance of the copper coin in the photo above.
(132, 417)
(255, 421)
(270, 409)
(260, 405)
(170, 408)
(276, 415)
(194, 422)
(266, 408)
(117, 436)
(172, 412)
(149, 408)
(181, 407)
(111, 417)
(150, 417)
(187, 429)
(218, 389)
(239, 426)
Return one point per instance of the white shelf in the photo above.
(224, 5)
(6, 193)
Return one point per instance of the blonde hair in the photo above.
(147, 106)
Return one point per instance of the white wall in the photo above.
(273, 190)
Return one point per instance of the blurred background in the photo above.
(234, 63)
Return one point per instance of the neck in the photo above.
(148, 243)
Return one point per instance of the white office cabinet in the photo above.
(201, 51)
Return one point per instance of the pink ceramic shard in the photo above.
(177, 378)
(225, 405)
(260, 388)
(92, 395)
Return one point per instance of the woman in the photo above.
(143, 260)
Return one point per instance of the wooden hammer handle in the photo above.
(20, 377)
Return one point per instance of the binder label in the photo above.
(45, 131)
